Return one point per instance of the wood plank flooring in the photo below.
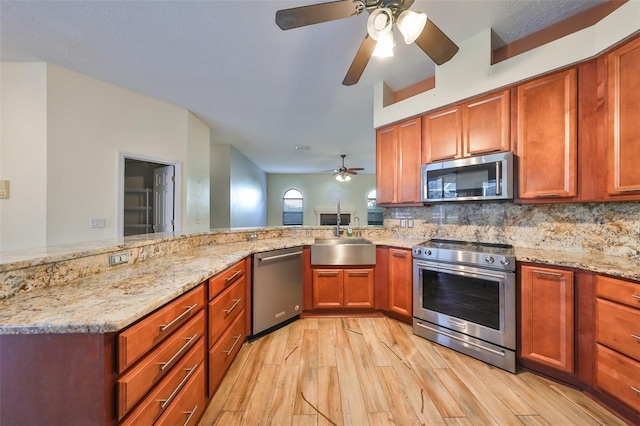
(374, 371)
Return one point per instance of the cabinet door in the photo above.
(623, 104)
(486, 125)
(547, 317)
(358, 288)
(400, 282)
(409, 148)
(386, 165)
(546, 124)
(442, 135)
(327, 288)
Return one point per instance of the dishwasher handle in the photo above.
(279, 256)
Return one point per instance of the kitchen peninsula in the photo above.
(43, 305)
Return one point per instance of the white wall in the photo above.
(88, 124)
(220, 186)
(470, 72)
(248, 192)
(197, 184)
(23, 154)
(321, 192)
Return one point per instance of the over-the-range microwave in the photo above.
(486, 177)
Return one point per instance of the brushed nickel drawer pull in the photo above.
(234, 345)
(358, 274)
(554, 274)
(399, 254)
(635, 336)
(228, 311)
(166, 402)
(327, 274)
(180, 351)
(233, 277)
(190, 413)
(178, 318)
(635, 389)
(627, 189)
(636, 296)
(553, 194)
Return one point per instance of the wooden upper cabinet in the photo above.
(623, 128)
(442, 135)
(547, 136)
(547, 326)
(386, 165)
(486, 125)
(398, 153)
(473, 128)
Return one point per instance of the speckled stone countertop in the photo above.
(112, 300)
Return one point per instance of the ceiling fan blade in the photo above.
(314, 14)
(351, 169)
(360, 61)
(436, 44)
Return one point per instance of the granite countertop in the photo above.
(112, 300)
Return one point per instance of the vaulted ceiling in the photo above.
(264, 89)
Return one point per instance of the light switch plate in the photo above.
(4, 189)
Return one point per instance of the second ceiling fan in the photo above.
(415, 27)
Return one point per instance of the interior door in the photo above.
(163, 199)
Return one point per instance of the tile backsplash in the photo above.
(608, 228)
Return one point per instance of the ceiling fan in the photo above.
(415, 27)
(343, 174)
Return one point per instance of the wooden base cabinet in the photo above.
(343, 288)
(227, 319)
(547, 317)
(401, 283)
(618, 339)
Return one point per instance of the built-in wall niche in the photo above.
(329, 217)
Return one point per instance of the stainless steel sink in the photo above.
(343, 252)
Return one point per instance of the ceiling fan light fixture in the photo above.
(384, 47)
(380, 23)
(343, 177)
(411, 24)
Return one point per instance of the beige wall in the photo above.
(23, 154)
(321, 193)
(89, 124)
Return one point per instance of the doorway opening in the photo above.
(148, 196)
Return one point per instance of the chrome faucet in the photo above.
(358, 232)
(338, 221)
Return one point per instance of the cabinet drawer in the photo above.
(618, 290)
(133, 385)
(618, 327)
(225, 308)
(165, 394)
(189, 404)
(225, 278)
(139, 338)
(618, 376)
(224, 351)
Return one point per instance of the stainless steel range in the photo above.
(464, 297)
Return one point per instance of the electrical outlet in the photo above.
(118, 258)
(403, 223)
(97, 222)
(252, 236)
(410, 223)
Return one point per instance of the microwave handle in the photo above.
(498, 178)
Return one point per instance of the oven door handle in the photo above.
(441, 268)
(451, 336)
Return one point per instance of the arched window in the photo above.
(374, 213)
(292, 207)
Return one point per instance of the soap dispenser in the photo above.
(349, 230)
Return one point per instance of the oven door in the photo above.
(474, 301)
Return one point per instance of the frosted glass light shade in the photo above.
(343, 177)
(411, 25)
(380, 23)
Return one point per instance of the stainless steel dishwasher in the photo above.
(276, 288)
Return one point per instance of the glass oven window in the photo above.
(471, 299)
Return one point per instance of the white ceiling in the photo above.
(265, 89)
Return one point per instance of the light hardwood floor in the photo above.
(374, 371)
